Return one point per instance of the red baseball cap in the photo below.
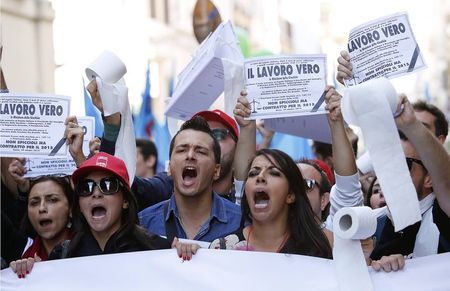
(326, 169)
(102, 162)
(222, 117)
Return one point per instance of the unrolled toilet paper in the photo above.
(350, 225)
(371, 106)
(108, 71)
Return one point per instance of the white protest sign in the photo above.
(314, 127)
(216, 270)
(282, 86)
(383, 47)
(32, 125)
(61, 166)
(49, 166)
(202, 81)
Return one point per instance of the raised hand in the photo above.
(345, 69)
(242, 110)
(333, 104)
(74, 138)
(17, 170)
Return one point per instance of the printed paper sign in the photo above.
(49, 166)
(202, 81)
(32, 125)
(61, 166)
(282, 86)
(385, 47)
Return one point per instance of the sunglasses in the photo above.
(410, 161)
(309, 184)
(221, 134)
(107, 186)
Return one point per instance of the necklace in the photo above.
(285, 237)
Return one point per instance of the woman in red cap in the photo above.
(105, 213)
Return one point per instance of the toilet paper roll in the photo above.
(355, 222)
(371, 105)
(108, 71)
(107, 67)
(350, 225)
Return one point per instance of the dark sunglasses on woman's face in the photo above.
(221, 134)
(410, 161)
(107, 186)
(309, 183)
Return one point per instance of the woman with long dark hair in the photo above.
(47, 221)
(277, 207)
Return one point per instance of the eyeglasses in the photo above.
(410, 161)
(221, 134)
(309, 183)
(107, 186)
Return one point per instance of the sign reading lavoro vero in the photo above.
(33, 125)
(286, 85)
(384, 47)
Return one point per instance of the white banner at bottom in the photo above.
(216, 270)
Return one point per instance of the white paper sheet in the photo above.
(383, 47)
(204, 79)
(286, 85)
(61, 166)
(32, 125)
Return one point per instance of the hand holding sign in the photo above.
(345, 69)
(242, 110)
(17, 171)
(384, 47)
(74, 138)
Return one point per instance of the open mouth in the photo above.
(98, 212)
(261, 199)
(45, 222)
(189, 173)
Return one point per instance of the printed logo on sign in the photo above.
(102, 161)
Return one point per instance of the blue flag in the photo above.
(91, 110)
(143, 122)
(162, 139)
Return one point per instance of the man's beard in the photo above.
(226, 165)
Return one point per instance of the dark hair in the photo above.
(440, 122)
(148, 148)
(306, 236)
(325, 185)
(198, 123)
(370, 192)
(324, 149)
(129, 235)
(63, 182)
